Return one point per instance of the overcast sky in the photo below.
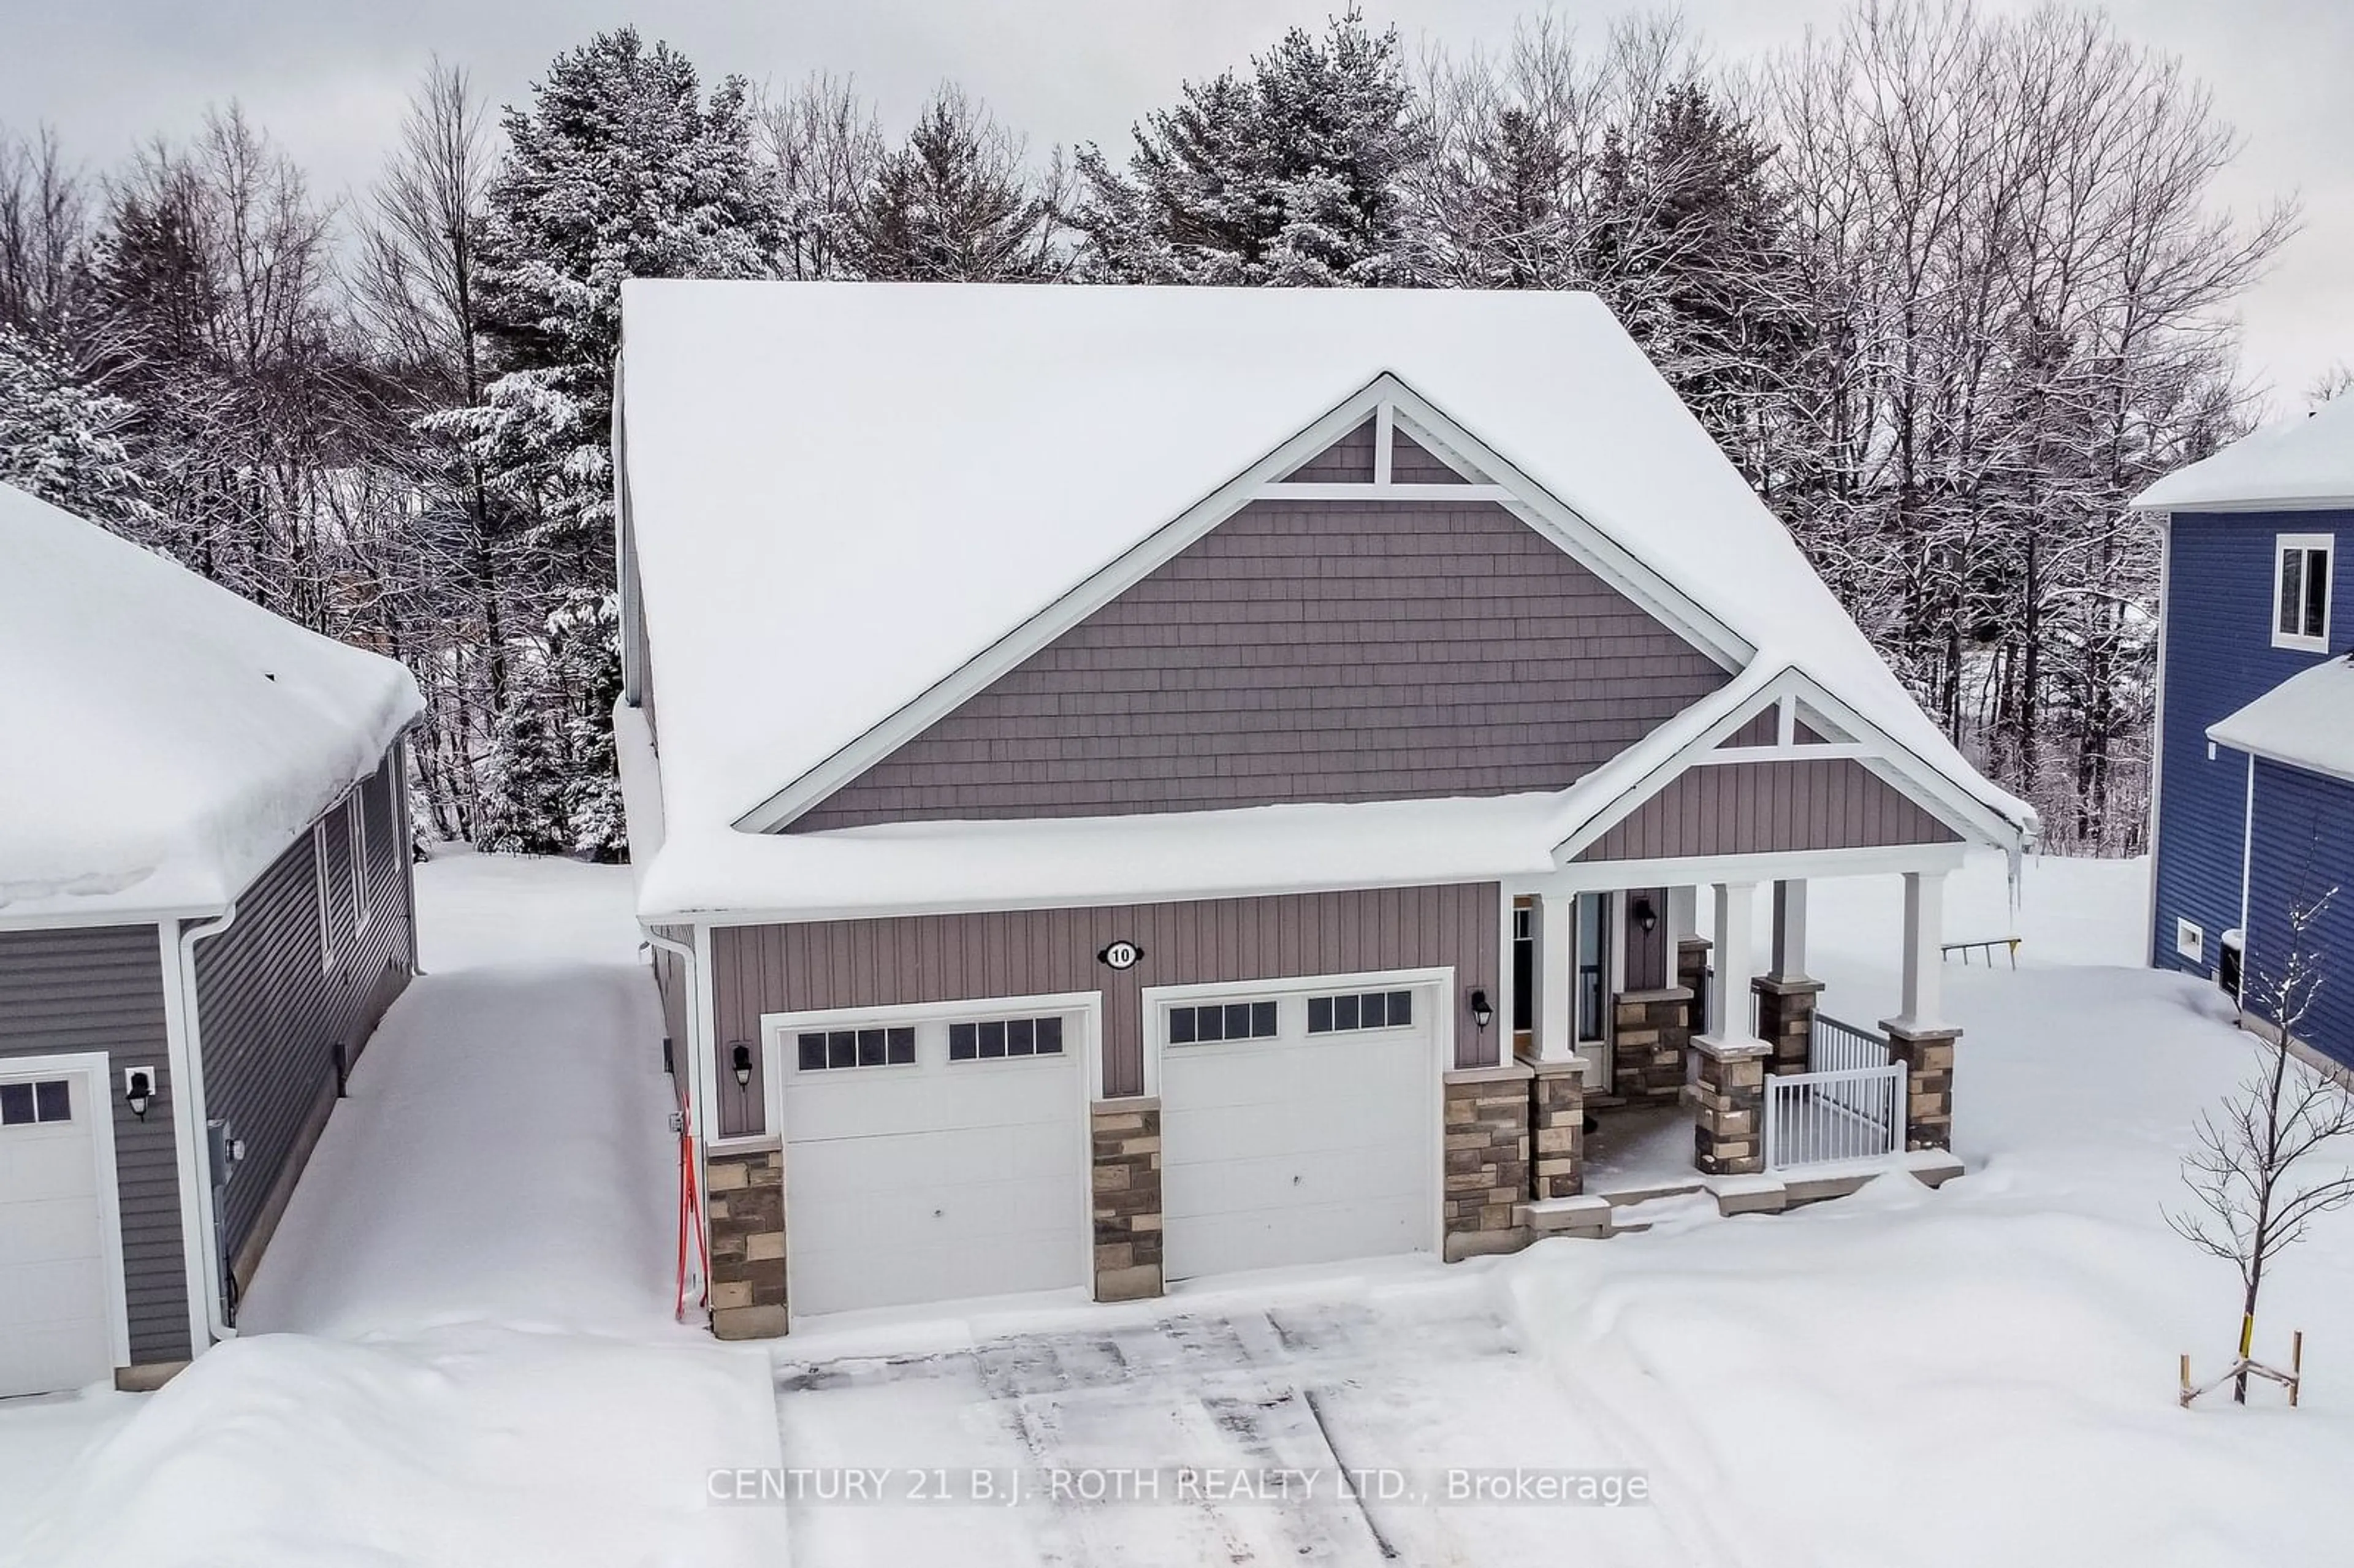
(328, 77)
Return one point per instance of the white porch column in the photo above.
(1684, 915)
(1924, 934)
(1556, 977)
(1728, 988)
(1789, 930)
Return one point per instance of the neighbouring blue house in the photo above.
(2253, 812)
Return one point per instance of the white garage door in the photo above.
(56, 1304)
(934, 1157)
(1299, 1129)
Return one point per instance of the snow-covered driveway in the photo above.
(1405, 1373)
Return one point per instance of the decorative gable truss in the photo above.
(1385, 443)
(1775, 766)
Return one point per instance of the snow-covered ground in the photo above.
(459, 1348)
(470, 1358)
(1985, 1373)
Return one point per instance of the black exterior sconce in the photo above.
(1645, 916)
(139, 1090)
(1481, 1013)
(740, 1056)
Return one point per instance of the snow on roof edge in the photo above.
(2305, 722)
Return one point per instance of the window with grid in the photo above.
(1212, 1021)
(995, 1038)
(46, 1100)
(2301, 606)
(825, 1049)
(1360, 1010)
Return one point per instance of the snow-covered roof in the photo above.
(2307, 721)
(2307, 460)
(840, 494)
(166, 739)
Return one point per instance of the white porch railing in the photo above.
(1847, 1104)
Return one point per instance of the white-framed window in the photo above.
(326, 903)
(358, 807)
(2301, 582)
(830, 1049)
(1213, 1021)
(1360, 1010)
(45, 1100)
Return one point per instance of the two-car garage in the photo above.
(942, 1152)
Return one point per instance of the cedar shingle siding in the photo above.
(1307, 651)
(271, 1014)
(1767, 808)
(101, 988)
(801, 967)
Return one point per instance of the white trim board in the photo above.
(1520, 495)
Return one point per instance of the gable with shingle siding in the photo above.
(1319, 651)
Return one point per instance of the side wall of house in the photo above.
(2303, 847)
(276, 997)
(101, 988)
(1307, 651)
(2219, 656)
(759, 969)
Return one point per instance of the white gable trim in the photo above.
(1386, 399)
(1733, 707)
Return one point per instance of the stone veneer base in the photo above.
(745, 1207)
(1125, 1178)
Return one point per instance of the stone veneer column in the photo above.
(1728, 1107)
(1928, 1058)
(745, 1206)
(1646, 1047)
(1126, 1183)
(1487, 1166)
(1785, 1020)
(1556, 1130)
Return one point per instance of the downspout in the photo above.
(690, 1126)
(207, 1220)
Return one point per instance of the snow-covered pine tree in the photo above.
(1291, 177)
(955, 205)
(620, 168)
(63, 441)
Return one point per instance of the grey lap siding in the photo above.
(101, 989)
(1307, 651)
(1765, 807)
(824, 965)
(271, 1013)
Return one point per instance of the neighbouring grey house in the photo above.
(205, 907)
(1132, 784)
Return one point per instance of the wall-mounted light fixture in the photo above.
(1645, 916)
(1481, 1013)
(139, 1090)
(740, 1055)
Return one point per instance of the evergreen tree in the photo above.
(61, 441)
(619, 169)
(953, 205)
(1290, 178)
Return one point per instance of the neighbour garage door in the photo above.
(55, 1309)
(934, 1157)
(1299, 1129)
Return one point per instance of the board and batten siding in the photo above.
(1307, 651)
(1650, 965)
(822, 965)
(101, 988)
(1769, 808)
(272, 1010)
(2303, 847)
(2218, 657)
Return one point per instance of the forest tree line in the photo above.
(1948, 287)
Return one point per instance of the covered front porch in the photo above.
(1678, 1043)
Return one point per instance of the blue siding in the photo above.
(2304, 847)
(2219, 656)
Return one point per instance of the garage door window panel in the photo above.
(829, 1050)
(24, 1104)
(1357, 1010)
(1216, 1022)
(997, 1039)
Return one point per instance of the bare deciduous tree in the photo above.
(2262, 1170)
